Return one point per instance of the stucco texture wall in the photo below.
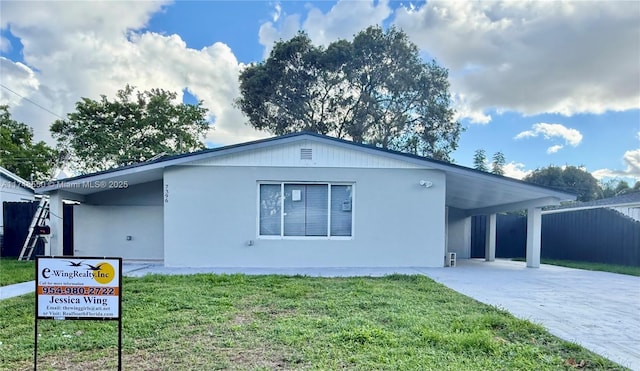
(103, 230)
(102, 223)
(210, 214)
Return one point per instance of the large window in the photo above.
(310, 210)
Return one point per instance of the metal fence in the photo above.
(17, 217)
(596, 235)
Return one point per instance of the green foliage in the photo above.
(617, 187)
(480, 160)
(497, 165)
(19, 154)
(374, 89)
(206, 322)
(135, 127)
(570, 179)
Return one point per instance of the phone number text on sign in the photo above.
(73, 287)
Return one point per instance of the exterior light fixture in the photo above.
(426, 183)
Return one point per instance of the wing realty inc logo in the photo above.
(101, 272)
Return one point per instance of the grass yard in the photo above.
(613, 268)
(14, 271)
(207, 322)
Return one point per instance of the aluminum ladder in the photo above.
(39, 220)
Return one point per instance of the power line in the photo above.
(34, 103)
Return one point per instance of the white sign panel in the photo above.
(77, 287)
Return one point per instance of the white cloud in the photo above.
(269, 33)
(632, 169)
(342, 21)
(464, 110)
(276, 12)
(555, 148)
(533, 56)
(516, 170)
(570, 136)
(75, 50)
(19, 78)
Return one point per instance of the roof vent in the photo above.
(306, 154)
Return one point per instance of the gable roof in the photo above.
(11, 177)
(472, 190)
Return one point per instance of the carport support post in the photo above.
(490, 239)
(534, 233)
(55, 223)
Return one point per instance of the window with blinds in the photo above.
(305, 210)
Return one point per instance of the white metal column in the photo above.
(55, 223)
(534, 236)
(490, 239)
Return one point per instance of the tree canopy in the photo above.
(135, 127)
(617, 187)
(570, 179)
(497, 164)
(375, 89)
(19, 154)
(480, 160)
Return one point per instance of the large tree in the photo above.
(135, 127)
(375, 89)
(480, 160)
(570, 178)
(498, 162)
(19, 154)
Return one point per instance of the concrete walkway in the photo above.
(598, 310)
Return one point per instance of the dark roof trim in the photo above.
(16, 179)
(629, 199)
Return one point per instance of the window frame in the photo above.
(282, 236)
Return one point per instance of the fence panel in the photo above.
(511, 236)
(597, 235)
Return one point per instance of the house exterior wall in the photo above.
(145, 194)
(321, 155)
(103, 230)
(103, 221)
(459, 233)
(211, 212)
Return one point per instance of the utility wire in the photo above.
(32, 102)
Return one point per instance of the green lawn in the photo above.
(207, 322)
(14, 271)
(613, 268)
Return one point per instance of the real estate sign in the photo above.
(78, 288)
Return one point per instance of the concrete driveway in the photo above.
(598, 310)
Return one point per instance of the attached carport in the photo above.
(471, 192)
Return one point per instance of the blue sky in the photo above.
(546, 83)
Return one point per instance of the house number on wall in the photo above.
(166, 193)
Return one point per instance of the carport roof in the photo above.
(474, 191)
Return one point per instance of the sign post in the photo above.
(79, 288)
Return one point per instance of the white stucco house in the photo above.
(12, 189)
(299, 200)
